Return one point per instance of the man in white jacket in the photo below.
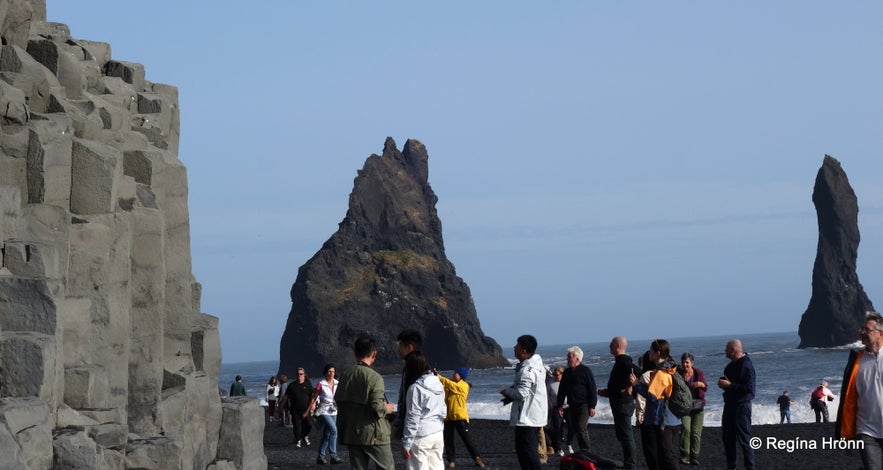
(529, 402)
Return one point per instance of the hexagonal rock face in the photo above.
(385, 270)
(105, 359)
(838, 304)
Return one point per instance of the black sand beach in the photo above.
(494, 439)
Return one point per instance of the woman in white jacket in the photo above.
(425, 412)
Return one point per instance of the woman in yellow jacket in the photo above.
(456, 393)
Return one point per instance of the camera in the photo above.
(506, 400)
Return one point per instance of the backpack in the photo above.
(585, 460)
(818, 393)
(680, 402)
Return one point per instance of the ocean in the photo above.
(779, 365)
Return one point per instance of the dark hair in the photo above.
(272, 379)
(686, 356)
(328, 367)
(662, 347)
(410, 338)
(416, 365)
(238, 377)
(364, 346)
(528, 343)
(646, 363)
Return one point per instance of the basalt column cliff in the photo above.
(385, 270)
(838, 304)
(105, 359)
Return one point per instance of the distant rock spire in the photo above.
(838, 304)
(383, 271)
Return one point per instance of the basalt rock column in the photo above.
(383, 271)
(838, 304)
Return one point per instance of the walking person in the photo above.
(738, 384)
(362, 410)
(282, 411)
(457, 419)
(298, 397)
(648, 436)
(527, 396)
(555, 426)
(860, 414)
(659, 421)
(784, 401)
(691, 434)
(622, 405)
(326, 409)
(579, 389)
(425, 410)
(819, 399)
(272, 396)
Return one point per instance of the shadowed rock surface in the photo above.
(105, 358)
(838, 305)
(383, 271)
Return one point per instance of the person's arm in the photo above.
(563, 387)
(591, 391)
(412, 419)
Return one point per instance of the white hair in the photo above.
(576, 352)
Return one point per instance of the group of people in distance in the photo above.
(818, 402)
(642, 391)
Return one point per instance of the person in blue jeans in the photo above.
(326, 410)
(785, 403)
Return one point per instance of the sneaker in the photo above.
(694, 462)
(479, 463)
(298, 444)
(685, 460)
(561, 453)
(569, 449)
(321, 460)
(452, 464)
(306, 440)
(336, 460)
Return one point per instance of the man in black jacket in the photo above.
(578, 388)
(622, 405)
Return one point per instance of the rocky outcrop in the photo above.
(105, 358)
(383, 271)
(838, 304)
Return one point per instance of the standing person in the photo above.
(691, 436)
(326, 408)
(648, 438)
(237, 389)
(528, 397)
(622, 405)
(738, 386)
(860, 414)
(785, 403)
(362, 410)
(819, 399)
(425, 410)
(578, 388)
(272, 397)
(555, 426)
(659, 422)
(456, 393)
(298, 397)
(408, 342)
(282, 411)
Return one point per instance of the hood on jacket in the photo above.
(430, 384)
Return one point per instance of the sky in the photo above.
(603, 168)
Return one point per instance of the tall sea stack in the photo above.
(838, 304)
(105, 358)
(383, 271)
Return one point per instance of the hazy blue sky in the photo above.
(602, 167)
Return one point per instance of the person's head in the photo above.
(525, 346)
(823, 383)
(301, 375)
(272, 380)
(328, 371)
(646, 361)
(871, 332)
(283, 379)
(574, 356)
(660, 350)
(415, 366)
(461, 373)
(687, 360)
(557, 373)
(365, 349)
(239, 378)
(618, 345)
(733, 350)
(785, 393)
(409, 341)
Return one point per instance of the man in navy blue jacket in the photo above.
(578, 388)
(738, 385)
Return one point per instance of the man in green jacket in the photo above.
(362, 410)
